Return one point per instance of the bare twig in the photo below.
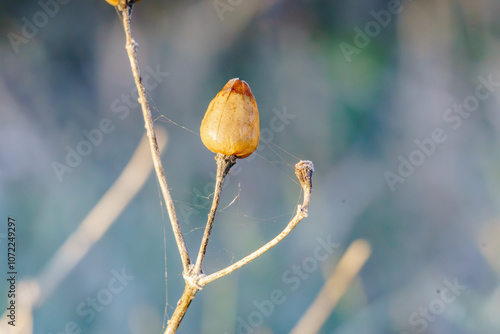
(99, 219)
(224, 164)
(131, 47)
(90, 230)
(193, 275)
(195, 282)
(190, 291)
(304, 170)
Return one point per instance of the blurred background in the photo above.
(396, 103)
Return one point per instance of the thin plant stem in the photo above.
(224, 164)
(91, 229)
(131, 47)
(193, 276)
(334, 288)
(249, 258)
(190, 291)
(195, 282)
(303, 170)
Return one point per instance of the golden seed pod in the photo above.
(118, 2)
(231, 123)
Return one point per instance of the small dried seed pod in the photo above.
(122, 3)
(231, 123)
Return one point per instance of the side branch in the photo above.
(131, 47)
(224, 164)
(304, 170)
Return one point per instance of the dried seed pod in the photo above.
(231, 123)
(122, 3)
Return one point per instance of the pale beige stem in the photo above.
(193, 276)
(224, 164)
(195, 282)
(98, 220)
(182, 306)
(304, 170)
(335, 287)
(131, 47)
(36, 290)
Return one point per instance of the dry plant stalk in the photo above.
(194, 277)
(334, 288)
(90, 230)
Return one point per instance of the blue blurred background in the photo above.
(396, 103)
